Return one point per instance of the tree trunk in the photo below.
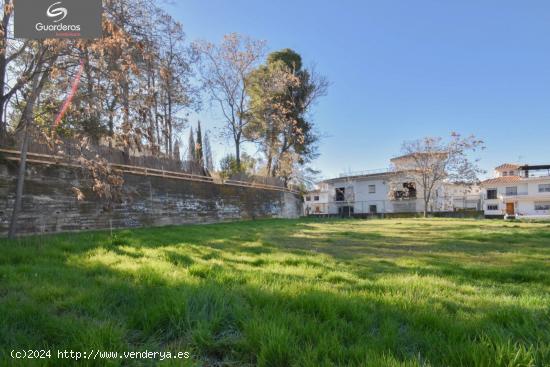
(269, 164)
(92, 95)
(156, 117)
(170, 142)
(165, 128)
(126, 105)
(20, 183)
(3, 65)
(152, 136)
(426, 204)
(111, 109)
(27, 118)
(2, 122)
(238, 153)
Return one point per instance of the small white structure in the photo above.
(455, 196)
(359, 193)
(518, 191)
(316, 201)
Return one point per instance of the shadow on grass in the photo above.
(222, 296)
(224, 321)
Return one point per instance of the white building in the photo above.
(316, 201)
(385, 191)
(455, 196)
(359, 193)
(446, 196)
(518, 191)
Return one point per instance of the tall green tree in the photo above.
(199, 154)
(282, 93)
(191, 153)
(230, 169)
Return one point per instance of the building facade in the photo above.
(517, 191)
(316, 201)
(386, 191)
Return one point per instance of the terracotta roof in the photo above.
(501, 180)
(508, 166)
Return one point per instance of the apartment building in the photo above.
(517, 191)
(386, 191)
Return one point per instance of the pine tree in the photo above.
(208, 161)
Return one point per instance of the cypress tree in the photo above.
(191, 155)
(199, 148)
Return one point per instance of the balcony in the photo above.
(403, 198)
(514, 194)
(535, 171)
(502, 195)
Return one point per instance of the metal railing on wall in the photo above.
(67, 159)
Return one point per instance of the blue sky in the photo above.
(402, 69)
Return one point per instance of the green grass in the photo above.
(403, 292)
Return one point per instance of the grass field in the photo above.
(407, 292)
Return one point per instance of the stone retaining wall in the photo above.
(50, 205)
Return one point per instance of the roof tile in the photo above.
(508, 166)
(501, 180)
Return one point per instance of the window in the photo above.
(492, 207)
(372, 189)
(505, 173)
(544, 188)
(340, 194)
(308, 198)
(408, 192)
(316, 198)
(491, 194)
(411, 188)
(542, 205)
(372, 209)
(512, 191)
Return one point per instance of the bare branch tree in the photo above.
(46, 57)
(430, 161)
(224, 69)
